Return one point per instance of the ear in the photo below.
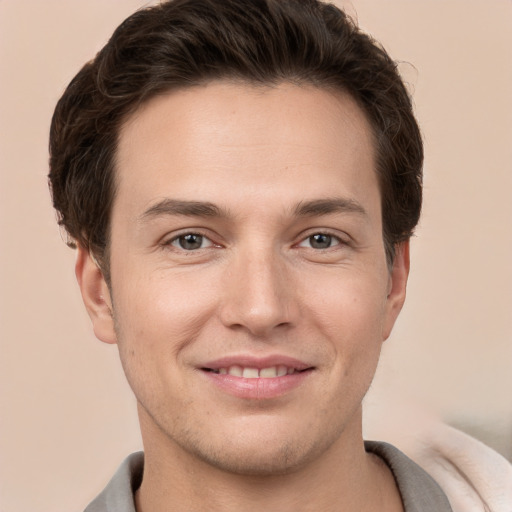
(396, 287)
(96, 296)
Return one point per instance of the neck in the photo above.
(344, 478)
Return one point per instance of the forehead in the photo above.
(198, 141)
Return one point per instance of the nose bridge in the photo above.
(257, 295)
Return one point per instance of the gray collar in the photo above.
(419, 491)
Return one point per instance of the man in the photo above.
(241, 179)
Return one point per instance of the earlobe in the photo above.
(397, 287)
(96, 296)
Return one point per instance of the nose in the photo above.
(259, 296)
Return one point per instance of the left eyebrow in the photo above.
(328, 206)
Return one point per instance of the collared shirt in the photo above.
(420, 493)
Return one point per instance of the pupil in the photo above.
(190, 242)
(320, 241)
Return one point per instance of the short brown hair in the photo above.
(182, 43)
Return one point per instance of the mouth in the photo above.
(254, 378)
(247, 372)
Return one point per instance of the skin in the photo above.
(258, 285)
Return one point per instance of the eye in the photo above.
(320, 241)
(191, 242)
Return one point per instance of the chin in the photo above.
(261, 459)
(260, 449)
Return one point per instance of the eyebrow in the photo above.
(328, 206)
(185, 208)
(206, 209)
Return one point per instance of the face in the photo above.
(250, 293)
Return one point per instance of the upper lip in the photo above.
(250, 361)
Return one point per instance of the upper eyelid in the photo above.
(171, 237)
(336, 237)
(341, 236)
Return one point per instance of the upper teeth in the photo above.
(255, 373)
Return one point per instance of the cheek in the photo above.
(156, 320)
(349, 305)
(158, 315)
(349, 312)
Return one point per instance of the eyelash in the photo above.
(330, 236)
(171, 242)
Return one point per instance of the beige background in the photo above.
(67, 417)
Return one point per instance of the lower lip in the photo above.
(257, 389)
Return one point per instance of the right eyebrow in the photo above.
(171, 207)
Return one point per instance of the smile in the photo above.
(252, 378)
(255, 373)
